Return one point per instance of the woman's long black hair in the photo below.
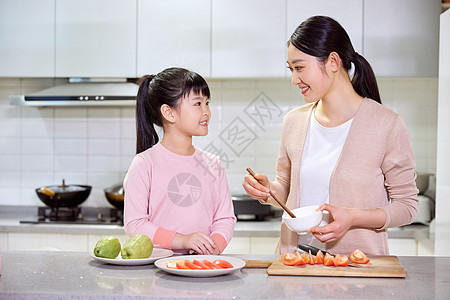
(320, 35)
(166, 87)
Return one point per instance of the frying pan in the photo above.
(63, 195)
(115, 195)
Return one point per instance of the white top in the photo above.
(322, 149)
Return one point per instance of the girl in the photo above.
(174, 192)
(343, 148)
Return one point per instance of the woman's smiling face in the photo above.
(308, 73)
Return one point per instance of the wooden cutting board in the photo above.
(379, 266)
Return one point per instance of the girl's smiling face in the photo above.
(193, 115)
(309, 74)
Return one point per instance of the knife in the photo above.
(314, 250)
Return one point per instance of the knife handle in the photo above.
(313, 249)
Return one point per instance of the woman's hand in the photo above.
(342, 222)
(197, 242)
(257, 189)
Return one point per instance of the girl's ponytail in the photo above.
(146, 135)
(364, 81)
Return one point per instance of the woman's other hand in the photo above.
(342, 222)
(197, 242)
(257, 188)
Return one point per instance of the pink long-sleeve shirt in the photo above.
(167, 193)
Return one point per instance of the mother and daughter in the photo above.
(343, 150)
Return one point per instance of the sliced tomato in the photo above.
(223, 263)
(181, 265)
(359, 257)
(311, 258)
(319, 257)
(172, 264)
(191, 265)
(201, 265)
(290, 259)
(340, 260)
(211, 265)
(305, 257)
(300, 259)
(328, 260)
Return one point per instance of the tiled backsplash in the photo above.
(94, 146)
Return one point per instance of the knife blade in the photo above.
(314, 250)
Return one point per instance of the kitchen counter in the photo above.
(75, 275)
(10, 222)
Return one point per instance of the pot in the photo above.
(115, 195)
(63, 195)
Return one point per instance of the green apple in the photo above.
(138, 246)
(107, 247)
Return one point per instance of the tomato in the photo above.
(211, 265)
(359, 257)
(319, 257)
(290, 259)
(305, 257)
(311, 258)
(300, 259)
(172, 264)
(201, 265)
(328, 260)
(340, 260)
(223, 263)
(181, 265)
(191, 265)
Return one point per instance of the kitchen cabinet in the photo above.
(174, 33)
(252, 245)
(95, 38)
(248, 38)
(52, 241)
(348, 13)
(402, 247)
(401, 38)
(27, 38)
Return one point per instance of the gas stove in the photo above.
(76, 215)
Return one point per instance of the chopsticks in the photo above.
(273, 195)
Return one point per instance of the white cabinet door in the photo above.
(401, 38)
(27, 38)
(248, 38)
(174, 33)
(402, 247)
(95, 38)
(348, 13)
(47, 242)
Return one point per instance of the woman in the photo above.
(343, 149)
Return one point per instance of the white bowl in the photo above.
(306, 217)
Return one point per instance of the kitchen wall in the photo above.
(41, 146)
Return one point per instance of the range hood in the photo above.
(81, 94)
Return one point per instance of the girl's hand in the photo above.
(333, 231)
(215, 252)
(197, 242)
(257, 189)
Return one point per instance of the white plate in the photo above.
(157, 253)
(236, 262)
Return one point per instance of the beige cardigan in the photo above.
(376, 164)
